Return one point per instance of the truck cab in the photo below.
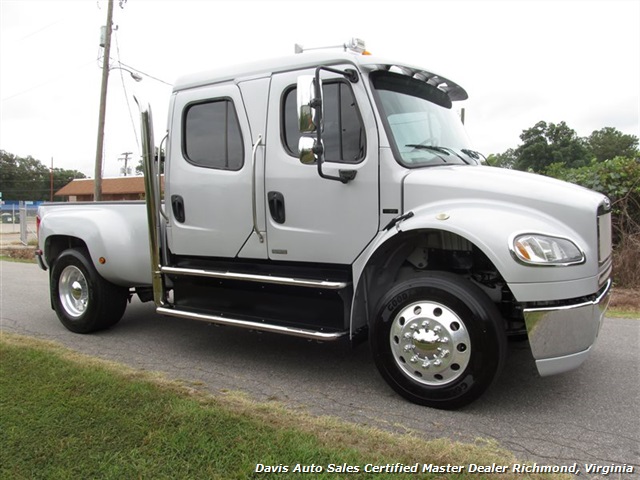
(335, 195)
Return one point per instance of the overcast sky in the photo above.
(520, 61)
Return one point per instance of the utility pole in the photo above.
(97, 188)
(125, 170)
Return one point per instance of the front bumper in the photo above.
(561, 337)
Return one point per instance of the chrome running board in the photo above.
(249, 277)
(264, 327)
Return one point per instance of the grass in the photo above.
(7, 258)
(623, 313)
(69, 416)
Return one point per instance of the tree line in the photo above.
(25, 178)
(546, 144)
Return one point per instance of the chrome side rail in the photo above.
(248, 277)
(296, 332)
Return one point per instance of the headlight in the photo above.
(535, 249)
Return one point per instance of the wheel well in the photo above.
(410, 253)
(56, 244)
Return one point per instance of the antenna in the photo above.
(355, 45)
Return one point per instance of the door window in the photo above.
(343, 133)
(212, 137)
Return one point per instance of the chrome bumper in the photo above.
(561, 337)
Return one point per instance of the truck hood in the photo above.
(459, 183)
(488, 206)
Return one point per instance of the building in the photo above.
(113, 189)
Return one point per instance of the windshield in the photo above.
(423, 128)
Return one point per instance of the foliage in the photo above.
(507, 159)
(608, 143)
(544, 144)
(28, 179)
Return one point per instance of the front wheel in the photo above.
(438, 340)
(83, 300)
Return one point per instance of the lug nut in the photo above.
(437, 362)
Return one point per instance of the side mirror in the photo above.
(310, 115)
(307, 103)
(305, 149)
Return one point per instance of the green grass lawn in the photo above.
(66, 416)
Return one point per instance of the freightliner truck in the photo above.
(332, 195)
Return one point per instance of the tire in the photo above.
(438, 340)
(83, 300)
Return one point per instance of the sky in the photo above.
(520, 61)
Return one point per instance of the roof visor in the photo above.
(453, 91)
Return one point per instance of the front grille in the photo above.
(604, 238)
(605, 242)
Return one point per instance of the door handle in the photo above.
(276, 206)
(177, 206)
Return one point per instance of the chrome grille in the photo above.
(604, 238)
(605, 242)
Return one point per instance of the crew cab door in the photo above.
(311, 219)
(209, 173)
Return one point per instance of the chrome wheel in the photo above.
(430, 343)
(73, 291)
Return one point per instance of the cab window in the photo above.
(212, 137)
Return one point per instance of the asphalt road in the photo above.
(589, 415)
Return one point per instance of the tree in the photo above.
(28, 179)
(608, 143)
(545, 144)
(507, 159)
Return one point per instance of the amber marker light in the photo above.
(522, 250)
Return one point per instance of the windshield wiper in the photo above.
(429, 147)
(474, 154)
(444, 150)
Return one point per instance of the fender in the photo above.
(490, 226)
(116, 233)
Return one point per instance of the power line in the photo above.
(41, 29)
(51, 80)
(126, 95)
(146, 74)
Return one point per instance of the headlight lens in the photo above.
(535, 249)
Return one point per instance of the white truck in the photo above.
(335, 195)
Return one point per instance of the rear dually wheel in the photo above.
(83, 300)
